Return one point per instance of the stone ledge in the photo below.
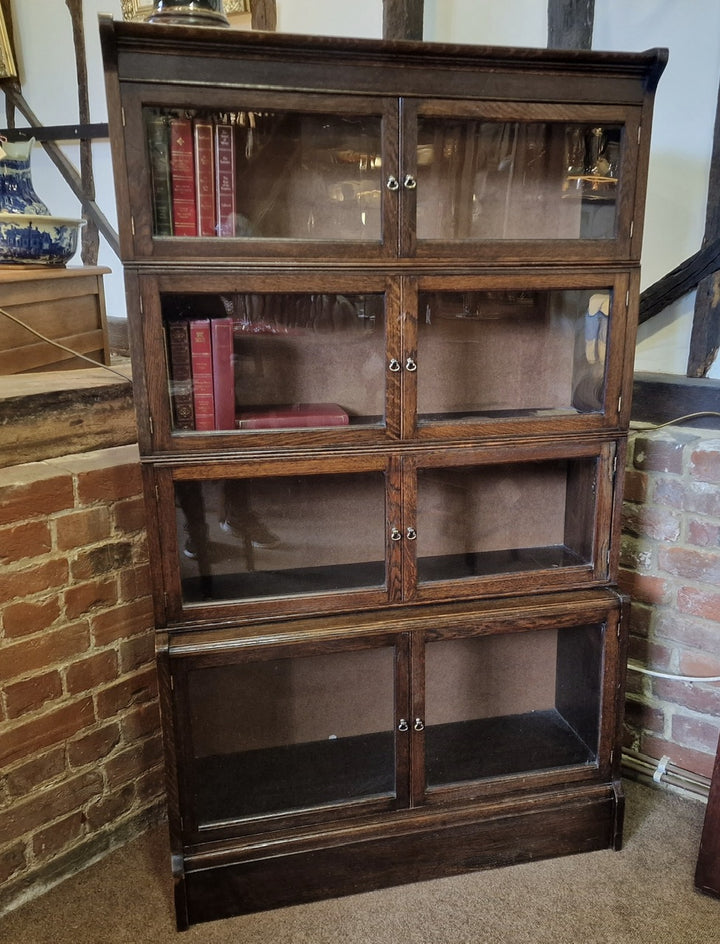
(59, 413)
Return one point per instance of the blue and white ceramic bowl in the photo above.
(32, 239)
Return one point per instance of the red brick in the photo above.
(635, 486)
(25, 617)
(129, 515)
(12, 861)
(699, 603)
(691, 564)
(704, 699)
(640, 618)
(686, 758)
(48, 842)
(33, 491)
(31, 694)
(659, 455)
(33, 654)
(646, 589)
(127, 766)
(695, 733)
(703, 534)
(132, 690)
(47, 730)
(32, 773)
(46, 805)
(36, 578)
(686, 631)
(699, 664)
(135, 582)
(86, 597)
(150, 786)
(702, 498)
(705, 462)
(28, 539)
(123, 621)
(137, 652)
(651, 521)
(636, 555)
(644, 717)
(99, 560)
(108, 483)
(109, 809)
(93, 746)
(79, 528)
(143, 721)
(92, 671)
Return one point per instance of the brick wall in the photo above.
(670, 565)
(80, 752)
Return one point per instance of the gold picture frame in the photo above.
(141, 9)
(8, 69)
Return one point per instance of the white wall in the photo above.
(682, 134)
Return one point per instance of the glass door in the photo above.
(512, 703)
(499, 173)
(502, 354)
(509, 525)
(278, 537)
(265, 359)
(278, 734)
(263, 174)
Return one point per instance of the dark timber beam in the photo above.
(683, 279)
(705, 337)
(570, 24)
(403, 19)
(263, 15)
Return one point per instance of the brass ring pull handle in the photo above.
(419, 724)
(395, 535)
(409, 182)
(410, 365)
(411, 534)
(403, 725)
(392, 183)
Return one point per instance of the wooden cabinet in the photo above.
(383, 302)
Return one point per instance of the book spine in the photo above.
(159, 151)
(225, 179)
(182, 177)
(223, 372)
(181, 390)
(202, 373)
(204, 177)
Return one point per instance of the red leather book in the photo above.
(202, 373)
(223, 359)
(225, 179)
(204, 177)
(295, 415)
(181, 391)
(182, 177)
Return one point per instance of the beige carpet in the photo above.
(642, 895)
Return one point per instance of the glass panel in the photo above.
(510, 704)
(280, 536)
(291, 734)
(265, 175)
(516, 180)
(479, 521)
(266, 360)
(489, 354)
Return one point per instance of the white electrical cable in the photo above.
(634, 667)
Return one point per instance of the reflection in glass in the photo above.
(510, 704)
(280, 536)
(516, 180)
(275, 360)
(487, 354)
(485, 520)
(265, 174)
(289, 734)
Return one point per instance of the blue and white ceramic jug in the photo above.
(17, 194)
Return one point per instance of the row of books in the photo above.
(192, 165)
(202, 384)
